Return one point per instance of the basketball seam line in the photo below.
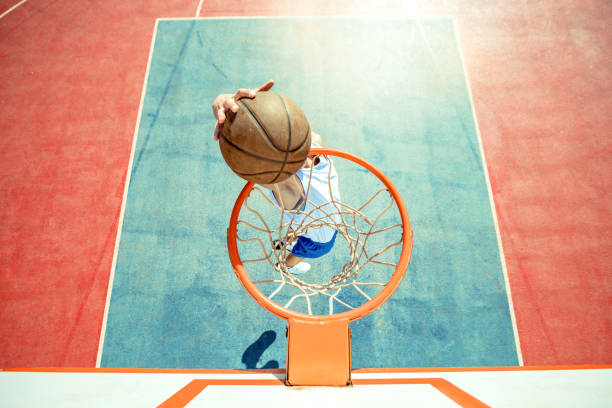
(259, 122)
(303, 142)
(261, 126)
(225, 139)
(288, 141)
(260, 173)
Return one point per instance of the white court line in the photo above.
(12, 8)
(502, 257)
(124, 201)
(397, 16)
(199, 9)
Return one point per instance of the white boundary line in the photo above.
(124, 200)
(12, 8)
(199, 9)
(397, 16)
(491, 201)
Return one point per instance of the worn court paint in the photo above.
(302, 8)
(67, 113)
(540, 80)
(175, 300)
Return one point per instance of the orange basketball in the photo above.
(267, 140)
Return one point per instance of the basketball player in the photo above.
(291, 192)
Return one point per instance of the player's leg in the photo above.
(295, 264)
(293, 260)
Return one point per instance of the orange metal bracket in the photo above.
(318, 353)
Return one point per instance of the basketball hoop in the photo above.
(359, 232)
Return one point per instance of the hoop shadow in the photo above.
(253, 353)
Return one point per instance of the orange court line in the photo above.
(456, 394)
(145, 370)
(195, 387)
(447, 388)
(485, 369)
(186, 394)
(282, 370)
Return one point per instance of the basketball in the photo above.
(267, 140)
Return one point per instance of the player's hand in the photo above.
(226, 102)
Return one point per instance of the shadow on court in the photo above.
(253, 353)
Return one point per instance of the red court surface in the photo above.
(75, 71)
(541, 91)
(73, 74)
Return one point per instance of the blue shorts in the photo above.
(307, 248)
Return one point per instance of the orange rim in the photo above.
(354, 314)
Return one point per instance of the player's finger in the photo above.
(265, 86)
(244, 93)
(230, 104)
(220, 115)
(215, 110)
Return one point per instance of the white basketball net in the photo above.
(354, 226)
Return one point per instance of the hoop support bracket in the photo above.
(318, 352)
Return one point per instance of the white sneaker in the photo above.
(300, 268)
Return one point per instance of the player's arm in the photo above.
(226, 102)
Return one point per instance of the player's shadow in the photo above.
(253, 353)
